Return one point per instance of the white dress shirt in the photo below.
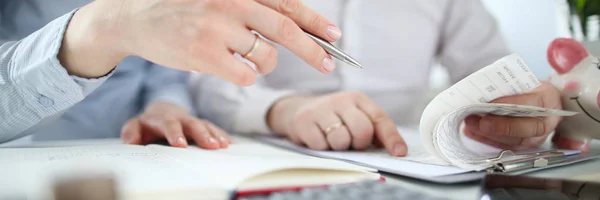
(397, 41)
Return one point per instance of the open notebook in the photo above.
(161, 172)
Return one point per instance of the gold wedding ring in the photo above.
(333, 127)
(254, 47)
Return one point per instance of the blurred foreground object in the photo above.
(96, 187)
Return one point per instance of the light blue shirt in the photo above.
(38, 96)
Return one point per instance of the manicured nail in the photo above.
(328, 64)
(182, 141)
(126, 140)
(212, 140)
(222, 139)
(334, 32)
(399, 149)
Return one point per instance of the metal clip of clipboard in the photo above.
(532, 160)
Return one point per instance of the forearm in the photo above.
(236, 109)
(90, 45)
(34, 86)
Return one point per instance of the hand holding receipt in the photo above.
(442, 118)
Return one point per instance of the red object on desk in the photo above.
(267, 191)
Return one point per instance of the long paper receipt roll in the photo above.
(441, 119)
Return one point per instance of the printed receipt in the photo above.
(441, 119)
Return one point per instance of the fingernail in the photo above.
(399, 149)
(128, 139)
(182, 141)
(222, 139)
(328, 64)
(212, 140)
(334, 32)
(485, 125)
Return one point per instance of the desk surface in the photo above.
(589, 170)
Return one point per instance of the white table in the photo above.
(452, 191)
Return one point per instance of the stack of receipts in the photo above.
(438, 147)
(440, 122)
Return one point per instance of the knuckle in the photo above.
(316, 22)
(320, 146)
(240, 5)
(145, 118)
(363, 134)
(337, 99)
(288, 6)
(211, 30)
(503, 129)
(378, 115)
(540, 128)
(340, 146)
(541, 102)
(170, 121)
(219, 4)
(132, 121)
(356, 94)
(287, 31)
(304, 114)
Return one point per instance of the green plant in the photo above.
(583, 10)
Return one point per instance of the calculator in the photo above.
(371, 190)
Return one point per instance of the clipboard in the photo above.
(533, 162)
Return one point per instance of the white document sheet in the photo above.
(417, 162)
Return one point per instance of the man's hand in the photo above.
(167, 121)
(517, 133)
(195, 35)
(338, 121)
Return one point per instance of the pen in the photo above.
(334, 51)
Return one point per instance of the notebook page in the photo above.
(505, 77)
(139, 172)
(418, 161)
(241, 161)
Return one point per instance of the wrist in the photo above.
(281, 114)
(89, 47)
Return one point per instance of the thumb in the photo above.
(131, 132)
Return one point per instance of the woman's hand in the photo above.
(340, 121)
(164, 120)
(195, 35)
